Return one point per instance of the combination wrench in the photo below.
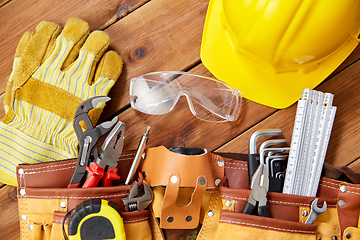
(315, 211)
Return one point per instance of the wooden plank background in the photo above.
(161, 35)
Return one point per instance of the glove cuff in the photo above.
(17, 148)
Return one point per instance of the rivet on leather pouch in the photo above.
(181, 217)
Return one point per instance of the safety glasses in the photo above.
(209, 99)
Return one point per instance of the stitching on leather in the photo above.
(85, 197)
(289, 203)
(235, 198)
(267, 227)
(59, 221)
(22, 222)
(136, 220)
(339, 184)
(217, 197)
(241, 164)
(325, 181)
(354, 192)
(206, 219)
(352, 187)
(51, 166)
(357, 193)
(237, 168)
(23, 199)
(272, 201)
(34, 170)
(321, 184)
(52, 170)
(208, 226)
(65, 164)
(156, 227)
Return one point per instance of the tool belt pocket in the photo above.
(44, 200)
(244, 226)
(287, 216)
(339, 221)
(183, 181)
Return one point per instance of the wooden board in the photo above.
(9, 227)
(170, 40)
(344, 142)
(166, 35)
(19, 16)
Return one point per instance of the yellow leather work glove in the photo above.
(53, 72)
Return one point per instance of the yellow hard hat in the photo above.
(272, 49)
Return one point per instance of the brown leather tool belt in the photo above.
(205, 191)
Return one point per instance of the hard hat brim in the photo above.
(277, 90)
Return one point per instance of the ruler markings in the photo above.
(318, 170)
(311, 133)
(313, 137)
(320, 139)
(312, 98)
(295, 142)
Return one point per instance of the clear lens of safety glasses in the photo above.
(209, 99)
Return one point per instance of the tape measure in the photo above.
(311, 134)
(96, 219)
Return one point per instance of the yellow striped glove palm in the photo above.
(53, 72)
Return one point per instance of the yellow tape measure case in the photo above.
(96, 219)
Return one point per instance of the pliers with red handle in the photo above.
(105, 166)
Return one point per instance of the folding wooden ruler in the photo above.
(311, 134)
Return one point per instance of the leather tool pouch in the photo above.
(44, 199)
(288, 213)
(205, 191)
(181, 180)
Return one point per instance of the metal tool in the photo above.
(315, 211)
(275, 185)
(82, 115)
(312, 127)
(280, 175)
(134, 201)
(257, 202)
(270, 160)
(105, 166)
(137, 158)
(271, 142)
(273, 150)
(253, 158)
(277, 165)
(87, 142)
(96, 219)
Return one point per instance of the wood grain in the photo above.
(344, 142)
(159, 36)
(3, 2)
(181, 128)
(166, 35)
(9, 215)
(355, 166)
(19, 16)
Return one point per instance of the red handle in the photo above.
(96, 173)
(110, 175)
(74, 185)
